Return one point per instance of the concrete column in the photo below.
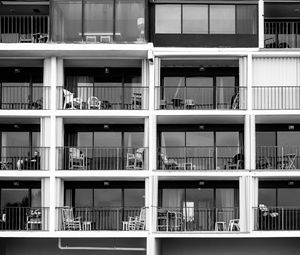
(145, 83)
(261, 26)
(252, 137)
(249, 81)
(152, 142)
(253, 195)
(151, 80)
(146, 143)
(157, 63)
(154, 193)
(148, 198)
(247, 142)
(243, 203)
(59, 83)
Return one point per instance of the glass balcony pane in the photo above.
(195, 19)
(222, 19)
(168, 19)
(130, 21)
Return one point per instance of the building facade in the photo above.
(149, 127)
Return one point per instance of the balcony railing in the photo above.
(276, 98)
(200, 158)
(197, 219)
(276, 218)
(278, 157)
(108, 218)
(24, 158)
(110, 158)
(200, 98)
(282, 34)
(103, 98)
(24, 28)
(24, 97)
(24, 218)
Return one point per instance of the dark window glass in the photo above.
(267, 197)
(83, 197)
(134, 198)
(14, 197)
(195, 19)
(288, 197)
(107, 198)
(247, 19)
(133, 139)
(201, 198)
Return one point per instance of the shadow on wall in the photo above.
(46, 246)
(228, 246)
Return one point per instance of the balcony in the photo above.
(24, 158)
(197, 219)
(103, 98)
(14, 97)
(200, 158)
(24, 28)
(200, 98)
(24, 219)
(282, 34)
(110, 158)
(98, 22)
(276, 218)
(277, 157)
(99, 219)
(276, 98)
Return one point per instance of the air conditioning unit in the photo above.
(91, 38)
(105, 38)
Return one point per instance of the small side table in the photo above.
(125, 225)
(87, 225)
(220, 226)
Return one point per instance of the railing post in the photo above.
(118, 218)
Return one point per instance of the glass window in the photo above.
(66, 20)
(265, 138)
(98, 17)
(201, 90)
(202, 198)
(14, 197)
(130, 22)
(83, 198)
(225, 198)
(227, 139)
(85, 139)
(172, 198)
(168, 19)
(195, 19)
(200, 139)
(267, 197)
(225, 91)
(222, 19)
(172, 139)
(133, 139)
(134, 197)
(288, 197)
(288, 138)
(36, 197)
(107, 198)
(35, 139)
(246, 19)
(107, 139)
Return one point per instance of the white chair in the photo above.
(76, 159)
(234, 225)
(136, 222)
(68, 220)
(136, 160)
(70, 100)
(94, 103)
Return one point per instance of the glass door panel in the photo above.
(225, 92)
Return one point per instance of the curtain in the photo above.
(172, 198)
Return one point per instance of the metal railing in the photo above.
(24, 28)
(110, 158)
(278, 157)
(200, 158)
(104, 218)
(24, 158)
(197, 219)
(24, 97)
(282, 34)
(24, 218)
(103, 98)
(200, 98)
(276, 97)
(276, 218)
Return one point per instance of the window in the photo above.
(195, 19)
(205, 19)
(168, 19)
(222, 19)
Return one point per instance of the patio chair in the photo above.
(135, 160)
(234, 225)
(136, 222)
(136, 101)
(76, 159)
(71, 102)
(68, 220)
(168, 164)
(94, 103)
(237, 162)
(34, 219)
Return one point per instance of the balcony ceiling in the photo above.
(102, 63)
(27, 8)
(104, 120)
(21, 63)
(282, 10)
(17, 120)
(199, 63)
(192, 119)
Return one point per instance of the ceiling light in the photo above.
(106, 70)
